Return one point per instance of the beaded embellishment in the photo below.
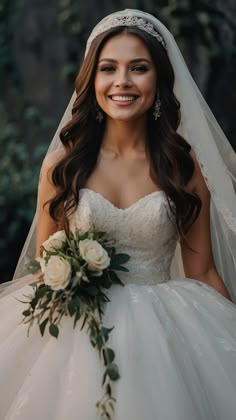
(127, 20)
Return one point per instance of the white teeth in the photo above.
(123, 98)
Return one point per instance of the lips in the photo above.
(123, 98)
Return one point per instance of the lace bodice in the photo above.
(146, 231)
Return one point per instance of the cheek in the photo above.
(148, 86)
(101, 84)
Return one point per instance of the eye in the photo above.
(140, 68)
(107, 68)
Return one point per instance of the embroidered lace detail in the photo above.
(146, 231)
(125, 20)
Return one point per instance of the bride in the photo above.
(142, 158)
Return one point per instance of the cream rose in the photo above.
(95, 255)
(57, 273)
(55, 241)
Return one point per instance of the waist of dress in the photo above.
(144, 277)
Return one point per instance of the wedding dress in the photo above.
(174, 339)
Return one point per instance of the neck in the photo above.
(124, 137)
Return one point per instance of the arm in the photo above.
(201, 265)
(46, 226)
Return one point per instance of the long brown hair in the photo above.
(171, 165)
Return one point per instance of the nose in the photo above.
(123, 80)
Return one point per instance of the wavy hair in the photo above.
(171, 165)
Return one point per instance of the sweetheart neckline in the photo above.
(162, 192)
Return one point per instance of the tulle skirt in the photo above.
(175, 345)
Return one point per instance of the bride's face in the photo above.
(125, 80)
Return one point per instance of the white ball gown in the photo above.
(174, 339)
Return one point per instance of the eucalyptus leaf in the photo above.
(54, 330)
(42, 326)
(27, 312)
(114, 278)
(104, 377)
(105, 332)
(84, 320)
(113, 372)
(118, 267)
(108, 356)
(40, 292)
(77, 317)
(34, 302)
(72, 308)
(105, 280)
(93, 338)
(99, 342)
(120, 259)
(108, 389)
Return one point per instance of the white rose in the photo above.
(57, 273)
(55, 241)
(95, 255)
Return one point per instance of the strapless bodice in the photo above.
(146, 231)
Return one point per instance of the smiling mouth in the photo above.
(123, 98)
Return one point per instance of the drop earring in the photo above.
(157, 107)
(99, 116)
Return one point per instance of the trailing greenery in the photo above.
(76, 271)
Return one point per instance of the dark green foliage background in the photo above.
(41, 46)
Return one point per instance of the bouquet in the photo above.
(74, 271)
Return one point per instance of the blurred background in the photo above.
(42, 43)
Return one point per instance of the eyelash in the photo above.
(137, 68)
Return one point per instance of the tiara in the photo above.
(113, 22)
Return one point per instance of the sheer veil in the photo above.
(200, 128)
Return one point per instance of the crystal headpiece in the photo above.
(114, 21)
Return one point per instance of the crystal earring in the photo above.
(99, 116)
(157, 107)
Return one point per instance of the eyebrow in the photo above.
(135, 60)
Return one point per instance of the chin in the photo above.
(126, 118)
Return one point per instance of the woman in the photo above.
(144, 160)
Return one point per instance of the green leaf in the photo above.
(113, 372)
(34, 302)
(84, 321)
(27, 312)
(120, 259)
(91, 290)
(108, 356)
(40, 292)
(99, 342)
(108, 389)
(54, 330)
(118, 267)
(77, 317)
(42, 326)
(72, 308)
(104, 377)
(114, 278)
(105, 332)
(93, 338)
(105, 280)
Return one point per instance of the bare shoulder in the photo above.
(50, 161)
(52, 158)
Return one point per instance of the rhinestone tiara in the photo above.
(125, 20)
